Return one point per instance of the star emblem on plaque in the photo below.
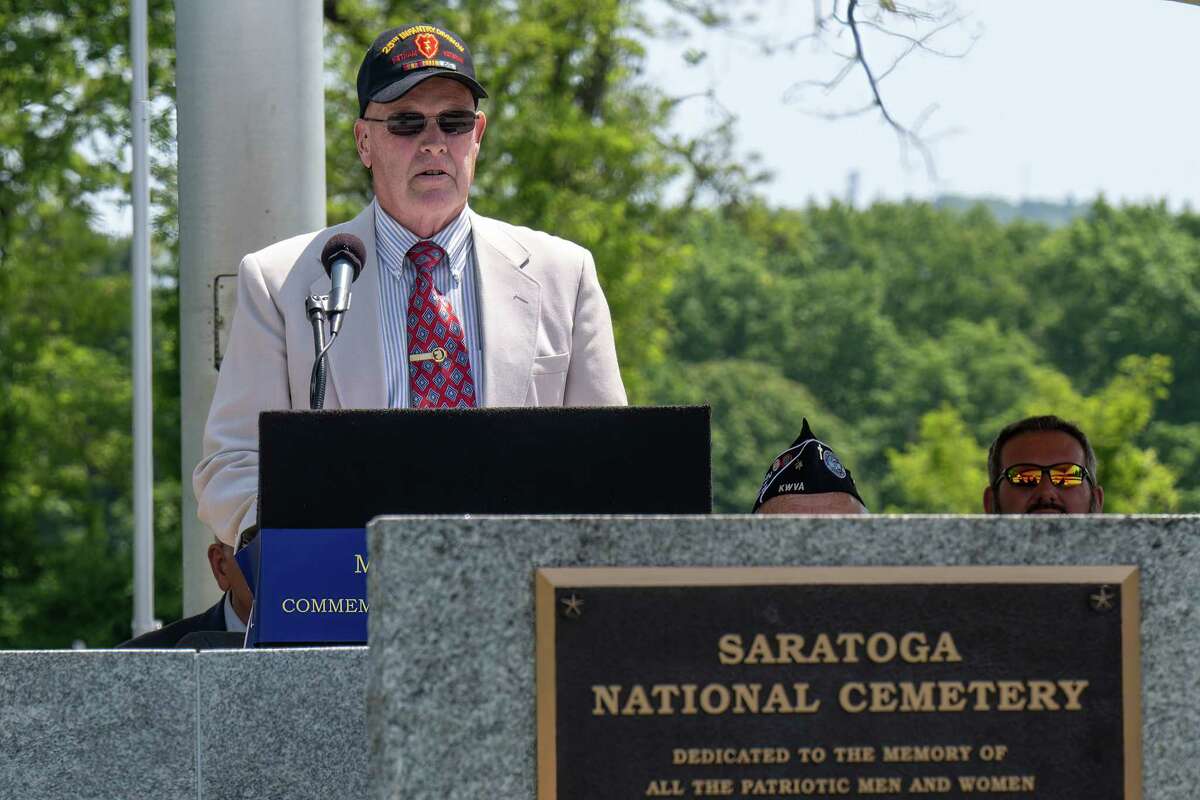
(1104, 599)
(572, 606)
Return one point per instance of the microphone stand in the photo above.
(317, 306)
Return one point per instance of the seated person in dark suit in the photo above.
(229, 614)
(808, 478)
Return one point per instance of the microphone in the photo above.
(343, 259)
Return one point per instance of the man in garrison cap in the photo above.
(808, 478)
(451, 309)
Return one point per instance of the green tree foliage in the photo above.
(65, 443)
(1124, 281)
(943, 471)
(65, 492)
(755, 416)
(1115, 420)
(1179, 448)
(928, 330)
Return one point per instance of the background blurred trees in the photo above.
(908, 335)
(65, 387)
(925, 331)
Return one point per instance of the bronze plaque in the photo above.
(845, 681)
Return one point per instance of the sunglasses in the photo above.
(410, 123)
(1064, 476)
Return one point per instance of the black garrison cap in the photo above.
(809, 466)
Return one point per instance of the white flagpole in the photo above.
(143, 465)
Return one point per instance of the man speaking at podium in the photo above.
(451, 310)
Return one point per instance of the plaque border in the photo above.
(548, 579)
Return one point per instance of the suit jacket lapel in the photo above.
(509, 309)
(214, 618)
(356, 371)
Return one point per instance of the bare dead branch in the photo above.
(912, 27)
(706, 12)
(826, 86)
(907, 52)
(924, 116)
(916, 43)
(683, 98)
(921, 42)
(838, 115)
(860, 57)
(790, 45)
(906, 136)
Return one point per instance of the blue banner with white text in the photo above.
(310, 586)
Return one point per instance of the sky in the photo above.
(1055, 99)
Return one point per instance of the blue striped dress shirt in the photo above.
(454, 277)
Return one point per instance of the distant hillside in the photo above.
(1045, 212)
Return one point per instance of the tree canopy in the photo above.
(926, 331)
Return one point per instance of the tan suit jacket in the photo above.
(546, 335)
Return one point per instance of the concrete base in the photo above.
(166, 724)
(98, 724)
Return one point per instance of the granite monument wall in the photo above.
(442, 705)
(451, 708)
(181, 724)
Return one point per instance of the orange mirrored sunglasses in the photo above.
(1065, 475)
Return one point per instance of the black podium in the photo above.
(324, 474)
(339, 469)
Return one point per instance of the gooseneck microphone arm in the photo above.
(343, 258)
(316, 306)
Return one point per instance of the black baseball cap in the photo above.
(402, 57)
(809, 466)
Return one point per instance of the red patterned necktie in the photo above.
(439, 368)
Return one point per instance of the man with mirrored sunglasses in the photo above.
(1042, 465)
(451, 309)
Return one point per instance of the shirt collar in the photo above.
(393, 240)
(233, 623)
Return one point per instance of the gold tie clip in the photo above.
(437, 356)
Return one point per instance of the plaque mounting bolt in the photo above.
(572, 606)
(1103, 599)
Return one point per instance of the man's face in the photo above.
(421, 180)
(823, 503)
(1045, 448)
